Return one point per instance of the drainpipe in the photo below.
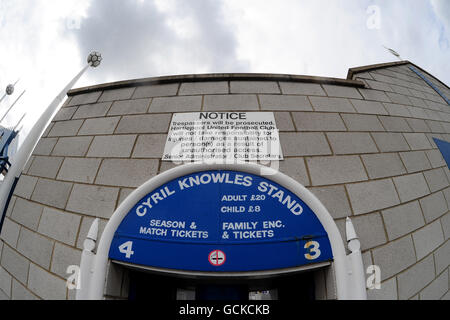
(356, 274)
(87, 262)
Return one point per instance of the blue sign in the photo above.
(444, 148)
(221, 221)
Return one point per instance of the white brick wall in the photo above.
(366, 153)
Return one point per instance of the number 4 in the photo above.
(126, 248)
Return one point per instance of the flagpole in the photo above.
(31, 140)
(9, 109)
(9, 90)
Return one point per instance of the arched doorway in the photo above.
(147, 232)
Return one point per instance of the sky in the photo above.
(44, 43)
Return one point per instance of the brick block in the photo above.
(93, 200)
(162, 90)
(370, 230)
(435, 126)
(411, 186)
(286, 103)
(398, 98)
(341, 91)
(390, 141)
(64, 256)
(150, 146)
(436, 289)
(59, 225)
(397, 110)
(26, 213)
(331, 104)
(116, 94)
(388, 291)
(394, 257)
(117, 146)
(415, 161)
(25, 186)
(433, 206)
(394, 124)
(65, 114)
(92, 110)
(442, 257)
(435, 158)
(10, 232)
(427, 239)
(5, 282)
(360, 142)
(309, 121)
(45, 146)
(400, 90)
(212, 87)
(383, 165)
(376, 85)
(418, 112)
(84, 98)
(362, 122)
(176, 104)
(375, 95)
(154, 123)
(65, 128)
(334, 199)
(126, 172)
(35, 247)
(230, 102)
(254, 87)
(416, 101)
(16, 264)
(72, 146)
(335, 170)
(310, 89)
(99, 126)
(79, 170)
(125, 107)
(296, 169)
(369, 107)
(52, 193)
(46, 285)
(402, 219)
(304, 144)
(417, 141)
(283, 121)
(46, 167)
(436, 179)
(19, 292)
(415, 279)
(373, 195)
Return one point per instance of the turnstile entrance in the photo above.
(154, 287)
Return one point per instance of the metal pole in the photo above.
(9, 109)
(30, 142)
(23, 116)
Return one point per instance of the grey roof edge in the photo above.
(355, 70)
(216, 77)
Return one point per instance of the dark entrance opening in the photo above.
(157, 286)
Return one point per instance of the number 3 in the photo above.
(314, 251)
(126, 248)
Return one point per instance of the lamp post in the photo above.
(30, 142)
(9, 90)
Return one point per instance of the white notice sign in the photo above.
(203, 136)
